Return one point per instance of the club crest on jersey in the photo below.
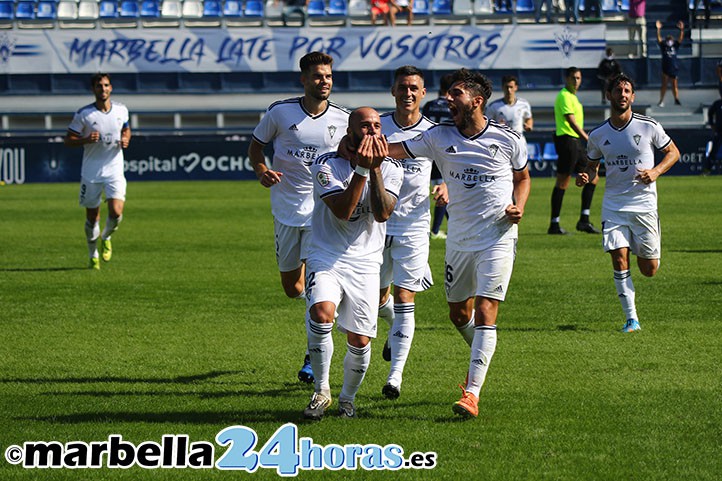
(637, 138)
(332, 130)
(493, 149)
(323, 179)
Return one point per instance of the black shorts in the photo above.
(571, 154)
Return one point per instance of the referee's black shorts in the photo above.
(571, 154)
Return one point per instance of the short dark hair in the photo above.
(314, 58)
(476, 82)
(407, 71)
(97, 77)
(509, 78)
(571, 71)
(445, 83)
(618, 79)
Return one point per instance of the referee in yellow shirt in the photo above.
(569, 117)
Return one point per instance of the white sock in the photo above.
(355, 365)
(467, 331)
(320, 348)
(400, 337)
(92, 231)
(482, 350)
(625, 291)
(111, 225)
(386, 311)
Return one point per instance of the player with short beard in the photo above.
(301, 129)
(627, 142)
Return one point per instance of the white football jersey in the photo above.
(626, 151)
(412, 210)
(512, 115)
(298, 139)
(356, 244)
(478, 172)
(103, 160)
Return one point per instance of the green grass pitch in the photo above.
(187, 331)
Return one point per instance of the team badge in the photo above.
(331, 130)
(323, 179)
(637, 138)
(493, 149)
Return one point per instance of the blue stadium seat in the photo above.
(108, 9)
(525, 6)
(550, 152)
(253, 8)
(7, 10)
(533, 150)
(129, 9)
(233, 9)
(150, 9)
(25, 10)
(337, 8)
(440, 7)
(610, 6)
(316, 8)
(212, 9)
(421, 7)
(47, 10)
(624, 6)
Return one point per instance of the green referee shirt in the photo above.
(568, 103)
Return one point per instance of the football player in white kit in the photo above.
(354, 198)
(511, 110)
(626, 142)
(301, 129)
(484, 165)
(102, 129)
(406, 251)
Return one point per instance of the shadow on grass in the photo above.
(42, 269)
(117, 379)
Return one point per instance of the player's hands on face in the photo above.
(365, 152)
(381, 150)
(647, 176)
(441, 194)
(94, 137)
(514, 214)
(270, 178)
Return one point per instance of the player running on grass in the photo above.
(102, 129)
(406, 252)
(484, 165)
(355, 194)
(626, 142)
(301, 129)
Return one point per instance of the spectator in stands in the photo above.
(670, 64)
(549, 10)
(438, 111)
(707, 12)
(102, 129)
(503, 6)
(571, 11)
(402, 6)
(293, 10)
(714, 119)
(511, 110)
(569, 117)
(608, 68)
(380, 8)
(593, 9)
(638, 24)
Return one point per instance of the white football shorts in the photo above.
(90, 192)
(484, 273)
(291, 245)
(355, 295)
(639, 231)
(406, 262)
